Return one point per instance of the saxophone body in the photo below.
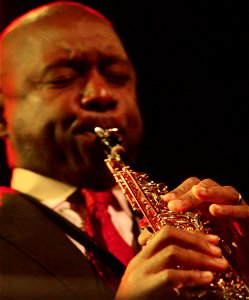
(145, 197)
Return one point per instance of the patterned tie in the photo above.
(98, 224)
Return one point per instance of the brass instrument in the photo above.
(144, 196)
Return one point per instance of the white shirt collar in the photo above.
(33, 184)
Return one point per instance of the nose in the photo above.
(97, 95)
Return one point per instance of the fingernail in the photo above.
(215, 250)
(213, 237)
(175, 205)
(169, 196)
(221, 262)
(218, 208)
(207, 275)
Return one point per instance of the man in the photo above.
(64, 71)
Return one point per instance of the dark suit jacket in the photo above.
(38, 261)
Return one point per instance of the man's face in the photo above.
(61, 79)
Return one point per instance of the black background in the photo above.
(192, 64)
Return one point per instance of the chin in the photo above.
(94, 176)
(99, 183)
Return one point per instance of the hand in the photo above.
(154, 273)
(223, 201)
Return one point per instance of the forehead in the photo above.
(69, 36)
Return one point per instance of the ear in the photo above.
(3, 127)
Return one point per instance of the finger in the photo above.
(187, 202)
(206, 190)
(181, 189)
(216, 193)
(169, 235)
(161, 285)
(190, 200)
(230, 211)
(183, 278)
(238, 215)
(174, 256)
(181, 198)
(144, 237)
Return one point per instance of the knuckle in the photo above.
(172, 251)
(166, 232)
(169, 234)
(193, 179)
(207, 182)
(167, 277)
(190, 278)
(171, 255)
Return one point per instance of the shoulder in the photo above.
(14, 205)
(6, 193)
(6, 190)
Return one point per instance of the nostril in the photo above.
(98, 104)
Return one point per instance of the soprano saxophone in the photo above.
(145, 197)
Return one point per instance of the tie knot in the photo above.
(98, 200)
(104, 198)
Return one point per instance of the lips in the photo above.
(87, 126)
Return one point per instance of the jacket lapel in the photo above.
(22, 222)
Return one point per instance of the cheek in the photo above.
(135, 121)
(132, 112)
(134, 128)
(27, 120)
(135, 131)
(134, 115)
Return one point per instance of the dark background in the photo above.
(192, 64)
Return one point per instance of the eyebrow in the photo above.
(117, 59)
(60, 64)
(63, 62)
(77, 62)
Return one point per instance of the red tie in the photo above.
(98, 224)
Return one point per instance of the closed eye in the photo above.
(61, 81)
(118, 78)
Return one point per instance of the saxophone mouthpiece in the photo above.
(104, 133)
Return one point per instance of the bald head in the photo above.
(40, 23)
(64, 9)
